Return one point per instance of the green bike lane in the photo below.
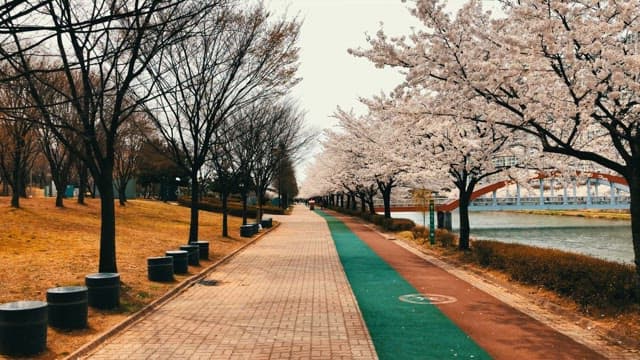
(389, 284)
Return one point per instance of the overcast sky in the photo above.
(332, 77)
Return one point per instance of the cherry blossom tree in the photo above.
(566, 73)
(447, 150)
(344, 161)
(372, 142)
(331, 170)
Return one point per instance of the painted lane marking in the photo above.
(425, 299)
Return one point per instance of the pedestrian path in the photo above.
(285, 297)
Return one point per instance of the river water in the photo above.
(606, 239)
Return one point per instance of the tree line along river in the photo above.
(606, 239)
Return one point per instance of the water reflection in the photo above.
(607, 239)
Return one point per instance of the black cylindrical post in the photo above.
(246, 230)
(204, 249)
(160, 268)
(68, 307)
(23, 328)
(180, 261)
(266, 223)
(194, 253)
(104, 290)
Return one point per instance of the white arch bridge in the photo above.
(597, 191)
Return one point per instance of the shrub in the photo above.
(408, 235)
(446, 238)
(233, 208)
(378, 219)
(420, 231)
(586, 280)
(366, 216)
(398, 224)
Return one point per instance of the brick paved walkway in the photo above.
(285, 297)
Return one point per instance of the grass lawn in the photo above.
(42, 247)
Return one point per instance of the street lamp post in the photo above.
(432, 227)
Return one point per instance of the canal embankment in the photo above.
(608, 239)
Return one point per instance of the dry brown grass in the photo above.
(42, 247)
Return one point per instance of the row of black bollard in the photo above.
(266, 223)
(23, 324)
(163, 268)
(251, 229)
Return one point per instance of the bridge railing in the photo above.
(552, 200)
(533, 201)
(408, 202)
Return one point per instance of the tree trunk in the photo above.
(353, 202)
(372, 209)
(82, 183)
(122, 194)
(225, 229)
(108, 224)
(195, 201)
(464, 199)
(363, 207)
(634, 191)
(259, 197)
(17, 182)
(59, 199)
(463, 241)
(244, 208)
(348, 202)
(15, 199)
(386, 199)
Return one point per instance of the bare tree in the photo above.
(282, 135)
(232, 59)
(103, 48)
(131, 141)
(227, 168)
(60, 162)
(18, 140)
(253, 130)
(57, 154)
(245, 131)
(83, 177)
